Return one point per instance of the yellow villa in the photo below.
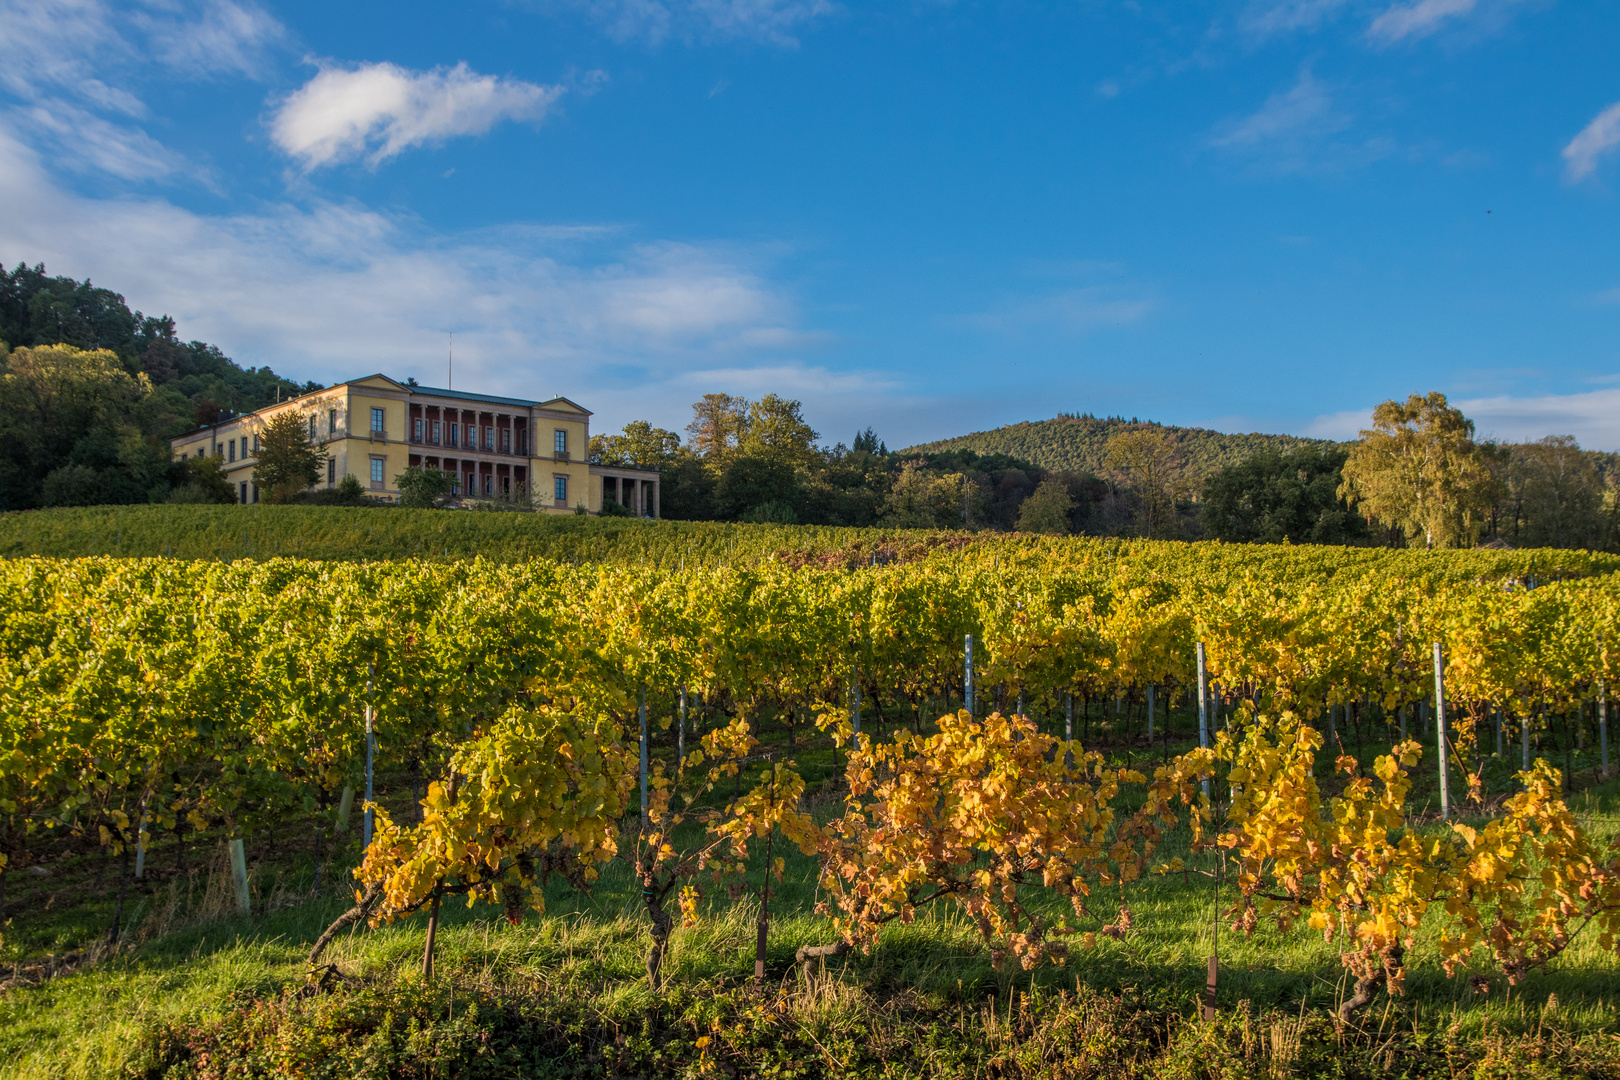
(493, 447)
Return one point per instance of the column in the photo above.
(656, 485)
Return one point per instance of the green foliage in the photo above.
(203, 480)
(422, 488)
(194, 381)
(75, 429)
(288, 461)
(1276, 497)
(1048, 510)
(612, 508)
(1419, 471)
(639, 444)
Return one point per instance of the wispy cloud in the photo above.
(83, 141)
(1595, 141)
(76, 67)
(1417, 20)
(1303, 111)
(219, 37)
(96, 52)
(1339, 425)
(774, 22)
(1266, 18)
(1593, 417)
(377, 111)
(1069, 311)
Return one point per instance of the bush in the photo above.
(772, 512)
(422, 489)
(614, 508)
(71, 485)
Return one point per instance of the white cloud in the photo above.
(1339, 425)
(380, 110)
(83, 141)
(55, 46)
(654, 21)
(93, 50)
(1415, 20)
(1595, 140)
(218, 37)
(76, 66)
(1305, 110)
(330, 291)
(1592, 416)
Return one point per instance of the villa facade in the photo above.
(492, 447)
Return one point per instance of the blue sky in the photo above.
(930, 217)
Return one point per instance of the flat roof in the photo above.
(470, 396)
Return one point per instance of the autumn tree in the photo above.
(719, 425)
(1419, 470)
(288, 461)
(777, 430)
(1147, 460)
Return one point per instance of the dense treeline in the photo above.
(1418, 477)
(91, 391)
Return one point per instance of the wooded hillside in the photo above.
(1079, 443)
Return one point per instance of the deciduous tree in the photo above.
(1418, 469)
(288, 462)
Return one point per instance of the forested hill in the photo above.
(1080, 444)
(37, 309)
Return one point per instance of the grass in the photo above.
(565, 994)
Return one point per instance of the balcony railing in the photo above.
(379, 434)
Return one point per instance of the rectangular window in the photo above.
(255, 445)
(311, 427)
(435, 433)
(453, 434)
(331, 422)
(377, 424)
(489, 438)
(255, 492)
(331, 470)
(377, 473)
(560, 488)
(560, 440)
(243, 499)
(506, 440)
(244, 448)
(233, 450)
(416, 430)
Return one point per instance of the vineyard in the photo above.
(1056, 750)
(230, 533)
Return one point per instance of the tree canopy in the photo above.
(1418, 469)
